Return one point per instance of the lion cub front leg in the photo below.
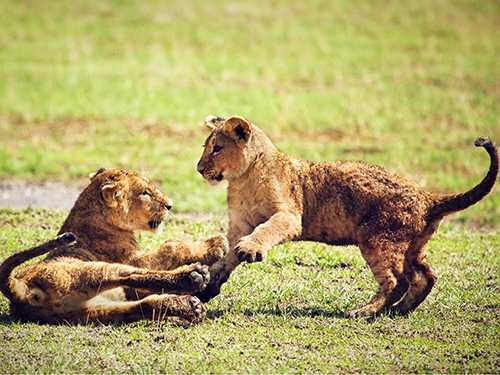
(252, 247)
(189, 279)
(281, 227)
(99, 277)
(219, 274)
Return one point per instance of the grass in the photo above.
(126, 84)
(407, 85)
(284, 315)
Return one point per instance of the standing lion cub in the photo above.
(274, 198)
(96, 271)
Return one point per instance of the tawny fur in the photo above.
(104, 276)
(274, 198)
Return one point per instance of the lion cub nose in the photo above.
(200, 169)
(168, 204)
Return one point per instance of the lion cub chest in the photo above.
(248, 210)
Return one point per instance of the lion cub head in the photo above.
(127, 200)
(227, 153)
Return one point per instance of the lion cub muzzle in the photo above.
(210, 176)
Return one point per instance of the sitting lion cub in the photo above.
(102, 275)
(273, 198)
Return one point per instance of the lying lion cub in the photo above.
(104, 276)
(273, 198)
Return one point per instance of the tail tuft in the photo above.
(458, 202)
(483, 142)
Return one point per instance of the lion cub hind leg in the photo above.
(213, 249)
(386, 261)
(420, 275)
(153, 307)
(422, 281)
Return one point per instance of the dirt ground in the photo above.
(18, 194)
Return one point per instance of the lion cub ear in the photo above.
(111, 193)
(238, 128)
(212, 122)
(93, 175)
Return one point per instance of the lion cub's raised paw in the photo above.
(194, 277)
(216, 248)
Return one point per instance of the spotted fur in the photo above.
(274, 198)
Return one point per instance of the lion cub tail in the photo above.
(458, 202)
(15, 260)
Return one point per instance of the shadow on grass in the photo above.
(289, 311)
(7, 320)
(296, 312)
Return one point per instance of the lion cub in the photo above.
(102, 275)
(273, 198)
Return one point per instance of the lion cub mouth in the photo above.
(154, 224)
(219, 177)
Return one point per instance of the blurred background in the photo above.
(408, 85)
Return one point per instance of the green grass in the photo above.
(407, 85)
(126, 84)
(284, 315)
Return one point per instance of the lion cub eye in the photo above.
(217, 149)
(146, 193)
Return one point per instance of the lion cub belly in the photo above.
(323, 229)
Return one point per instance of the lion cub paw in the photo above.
(196, 277)
(216, 248)
(364, 312)
(250, 252)
(195, 310)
